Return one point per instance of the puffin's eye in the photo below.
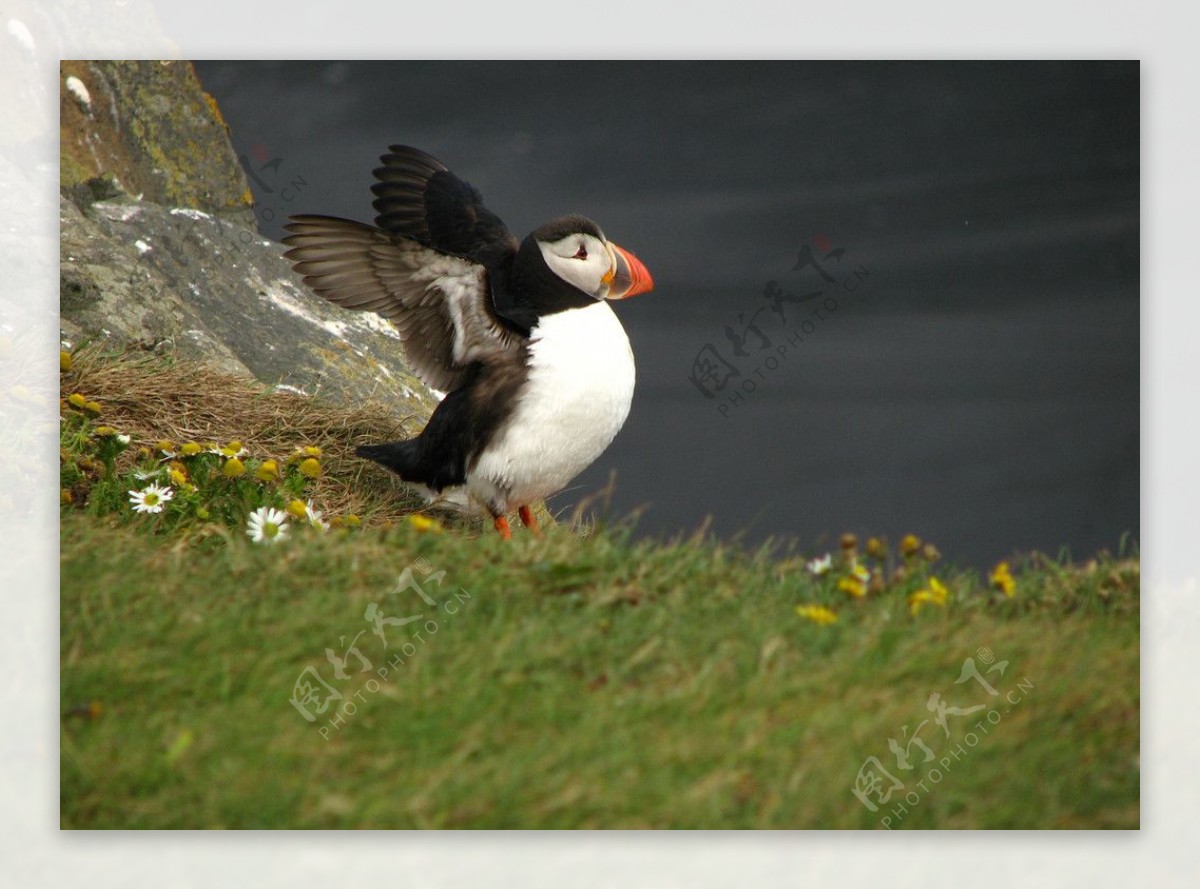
(580, 254)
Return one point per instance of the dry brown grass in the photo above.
(152, 398)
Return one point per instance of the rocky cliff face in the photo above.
(151, 128)
(159, 250)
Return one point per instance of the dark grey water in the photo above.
(978, 386)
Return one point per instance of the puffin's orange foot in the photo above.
(501, 525)
(528, 519)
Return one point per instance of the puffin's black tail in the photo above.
(438, 457)
(402, 458)
(415, 460)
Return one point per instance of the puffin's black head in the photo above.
(569, 263)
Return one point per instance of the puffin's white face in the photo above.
(599, 268)
(581, 260)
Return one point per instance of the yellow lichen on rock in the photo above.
(149, 126)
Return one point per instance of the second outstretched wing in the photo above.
(440, 304)
(416, 196)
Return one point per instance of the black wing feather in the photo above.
(419, 198)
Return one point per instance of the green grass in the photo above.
(579, 680)
(586, 682)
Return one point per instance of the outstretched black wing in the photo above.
(439, 302)
(417, 197)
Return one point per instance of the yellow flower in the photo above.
(190, 449)
(65, 496)
(918, 599)
(909, 545)
(859, 571)
(310, 467)
(233, 468)
(104, 431)
(64, 360)
(267, 471)
(177, 477)
(876, 549)
(425, 523)
(78, 400)
(94, 407)
(303, 451)
(852, 586)
(934, 595)
(202, 513)
(938, 590)
(930, 553)
(817, 614)
(166, 446)
(351, 520)
(302, 511)
(1002, 579)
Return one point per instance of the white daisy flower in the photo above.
(267, 524)
(143, 475)
(151, 499)
(820, 566)
(124, 438)
(314, 517)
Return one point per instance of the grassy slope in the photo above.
(585, 683)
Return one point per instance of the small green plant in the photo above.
(171, 487)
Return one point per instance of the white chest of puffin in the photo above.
(573, 404)
(538, 371)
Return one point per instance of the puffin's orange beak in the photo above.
(628, 276)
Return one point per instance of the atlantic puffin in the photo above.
(537, 370)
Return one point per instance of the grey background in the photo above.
(980, 387)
